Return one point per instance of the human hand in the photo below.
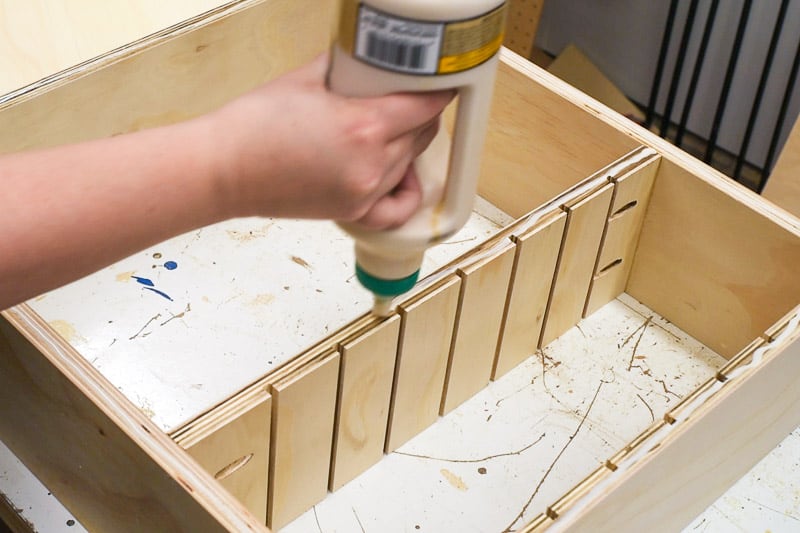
(293, 149)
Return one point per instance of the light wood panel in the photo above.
(713, 266)
(521, 24)
(586, 219)
(484, 286)
(628, 208)
(783, 185)
(40, 37)
(529, 157)
(237, 454)
(531, 281)
(365, 390)
(303, 413)
(184, 72)
(425, 335)
(108, 463)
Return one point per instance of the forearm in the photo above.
(68, 211)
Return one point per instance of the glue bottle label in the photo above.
(423, 47)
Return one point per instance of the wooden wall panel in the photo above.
(187, 71)
(528, 159)
(237, 455)
(303, 413)
(631, 197)
(715, 267)
(107, 462)
(425, 335)
(783, 187)
(365, 391)
(532, 279)
(586, 219)
(484, 286)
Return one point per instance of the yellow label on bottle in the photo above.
(469, 43)
(421, 47)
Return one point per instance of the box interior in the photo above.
(720, 285)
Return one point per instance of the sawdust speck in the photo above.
(67, 331)
(125, 276)
(454, 480)
(262, 299)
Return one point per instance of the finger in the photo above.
(395, 208)
(405, 112)
(405, 149)
(426, 135)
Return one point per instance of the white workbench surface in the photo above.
(39, 37)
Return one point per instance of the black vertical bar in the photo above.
(678, 70)
(726, 84)
(762, 83)
(698, 66)
(662, 57)
(787, 97)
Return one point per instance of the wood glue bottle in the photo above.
(387, 46)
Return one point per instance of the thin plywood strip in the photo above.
(365, 390)
(302, 434)
(628, 208)
(484, 286)
(586, 221)
(425, 335)
(237, 455)
(531, 281)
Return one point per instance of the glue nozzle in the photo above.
(382, 306)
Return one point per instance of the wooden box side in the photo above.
(711, 264)
(107, 462)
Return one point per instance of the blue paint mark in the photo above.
(165, 295)
(170, 265)
(144, 281)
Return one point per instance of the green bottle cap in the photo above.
(386, 287)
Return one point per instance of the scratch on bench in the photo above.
(482, 459)
(557, 458)
(643, 327)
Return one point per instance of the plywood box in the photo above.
(596, 206)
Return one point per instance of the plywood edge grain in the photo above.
(53, 389)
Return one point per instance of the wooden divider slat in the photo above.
(425, 335)
(484, 286)
(631, 197)
(365, 390)
(586, 219)
(237, 455)
(303, 412)
(532, 279)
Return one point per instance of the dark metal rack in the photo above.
(767, 73)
